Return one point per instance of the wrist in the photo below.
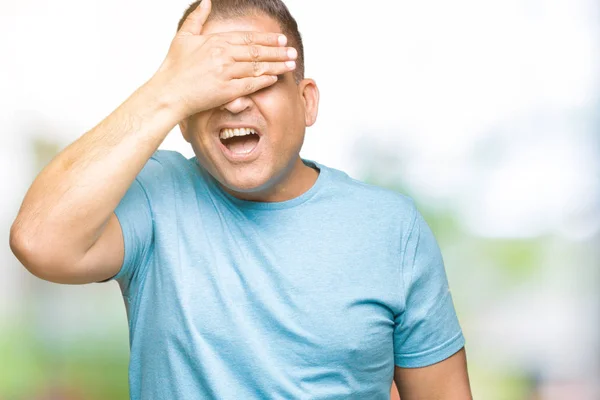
(163, 98)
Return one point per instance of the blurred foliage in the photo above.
(86, 370)
(517, 259)
(44, 150)
(497, 384)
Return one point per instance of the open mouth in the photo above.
(239, 141)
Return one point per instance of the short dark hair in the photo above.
(276, 9)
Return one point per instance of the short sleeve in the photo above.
(135, 217)
(427, 331)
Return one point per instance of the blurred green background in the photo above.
(486, 113)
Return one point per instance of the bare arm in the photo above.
(66, 230)
(446, 380)
(71, 201)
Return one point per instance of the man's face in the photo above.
(279, 113)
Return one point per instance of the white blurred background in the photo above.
(485, 112)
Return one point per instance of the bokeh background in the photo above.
(486, 112)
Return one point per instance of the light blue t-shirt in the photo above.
(315, 298)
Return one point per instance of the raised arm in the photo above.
(66, 230)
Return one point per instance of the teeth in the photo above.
(228, 133)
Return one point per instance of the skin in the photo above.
(446, 380)
(281, 113)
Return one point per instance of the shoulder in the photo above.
(165, 165)
(168, 175)
(373, 200)
(168, 160)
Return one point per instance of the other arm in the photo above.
(446, 380)
(429, 355)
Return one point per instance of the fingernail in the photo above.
(290, 64)
(204, 3)
(282, 40)
(292, 53)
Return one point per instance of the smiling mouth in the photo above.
(239, 141)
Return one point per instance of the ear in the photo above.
(183, 125)
(309, 92)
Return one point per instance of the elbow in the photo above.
(30, 252)
(20, 246)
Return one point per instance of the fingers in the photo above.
(246, 86)
(259, 38)
(263, 53)
(258, 68)
(195, 21)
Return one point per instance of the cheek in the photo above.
(197, 133)
(282, 111)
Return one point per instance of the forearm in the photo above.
(69, 202)
(446, 380)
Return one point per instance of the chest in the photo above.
(309, 296)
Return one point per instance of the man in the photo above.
(247, 271)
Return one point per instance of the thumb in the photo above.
(196, 19)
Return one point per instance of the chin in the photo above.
(247, 183)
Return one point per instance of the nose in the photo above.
(238, 105)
